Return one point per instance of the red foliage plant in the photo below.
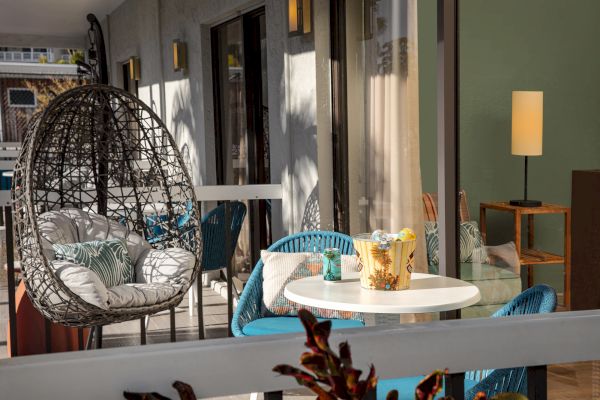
(333, 377)
(336, 373)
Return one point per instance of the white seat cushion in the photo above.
(141, 294)
(82, 281)
(159, 274)
(55, 228)
(71, 225)
(173, 265)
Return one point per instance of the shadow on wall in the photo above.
(301, 127)
(311, 220)
(183, 130)
(185, 154)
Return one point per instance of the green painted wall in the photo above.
(549, 45)
(427, 31)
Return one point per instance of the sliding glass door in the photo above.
(241, 121)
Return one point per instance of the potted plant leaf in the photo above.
(331, 376)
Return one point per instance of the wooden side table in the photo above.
(529, 255)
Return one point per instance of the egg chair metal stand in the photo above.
(99, 149)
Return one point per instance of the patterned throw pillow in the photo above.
(282, 268)
(472, 248)
(107, 258)
(432, 241)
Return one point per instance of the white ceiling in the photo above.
(50, 18)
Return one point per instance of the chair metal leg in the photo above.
(99, 337)
(143, 331)
(200, 310)
(229, 255)
(12, 290)
(90, 339)
(537, 382)
(172, 324)
(191, 300)
(80, 338)
(274, 395)
(455, 386)
(48, 335)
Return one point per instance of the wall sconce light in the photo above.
(179, 55)
(134, 68)
(299, 17)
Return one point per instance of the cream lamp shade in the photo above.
(527, 123)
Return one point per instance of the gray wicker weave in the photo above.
(102, 150)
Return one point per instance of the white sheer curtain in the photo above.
(392, 122)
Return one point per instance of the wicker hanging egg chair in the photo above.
(102, 160)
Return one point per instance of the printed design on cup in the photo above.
(386, 260)
(411, 261)
(382, 278)
(360, 264)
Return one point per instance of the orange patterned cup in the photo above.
(384, 268)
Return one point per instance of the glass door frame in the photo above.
(339, 116)
(255, 132)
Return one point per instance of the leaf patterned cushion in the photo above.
(107, 258)
(282, 268)
(472, 248)
(432, 241)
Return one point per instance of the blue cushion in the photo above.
(406, 387)
(279, 325)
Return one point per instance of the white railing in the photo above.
(24, 56)
(9, 151)
(222, 367)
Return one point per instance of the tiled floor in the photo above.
(215, 322)
(128, 333)
(565, 381)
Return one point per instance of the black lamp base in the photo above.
(526, 203)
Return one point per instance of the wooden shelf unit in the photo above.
(530, 256)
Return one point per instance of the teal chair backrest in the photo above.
(213, 235)
(249, 306)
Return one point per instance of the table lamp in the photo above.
(527, 128)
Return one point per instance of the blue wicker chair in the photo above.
(540, 299)
(248, 319)
(213, 238)
(213, 235)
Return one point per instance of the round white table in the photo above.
(427, 294)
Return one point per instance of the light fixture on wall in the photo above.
(299, 17)
(527, 133)
(134, 68)
(179, 55)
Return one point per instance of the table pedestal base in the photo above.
(395, 319)
(386, 319)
